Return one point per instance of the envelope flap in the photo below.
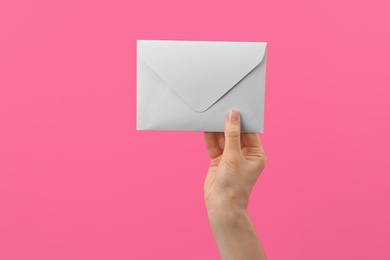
(201, 72)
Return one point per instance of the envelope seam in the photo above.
(246, 75)
(150, 104)
(163, 81)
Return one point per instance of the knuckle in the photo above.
(233, 132)
(263, 160)
(260, 162)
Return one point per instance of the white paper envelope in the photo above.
(191, 85)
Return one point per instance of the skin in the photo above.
(237, 160)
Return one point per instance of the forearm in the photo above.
(234, 233)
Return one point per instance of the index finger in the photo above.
(212, 144)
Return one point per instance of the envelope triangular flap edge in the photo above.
(201, 72)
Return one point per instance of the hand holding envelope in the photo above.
(191, 85)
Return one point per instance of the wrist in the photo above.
(227, 203)
(225, 214)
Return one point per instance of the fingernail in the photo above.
(233, 115)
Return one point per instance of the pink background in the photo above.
(78, 182)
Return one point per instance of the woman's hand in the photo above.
(236, 162)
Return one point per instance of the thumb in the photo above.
(232, 132)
